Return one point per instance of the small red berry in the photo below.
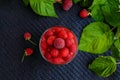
(59, 43)
(62, 34)
(58, 61)
(27, 36)
(64, 52)
(70, 34)
(28, 51)
(84, 13)
(48, 33)
(54, 52)
(48, 56)
(69, 42)
(73, 48)
(67, 4)
(50, 40)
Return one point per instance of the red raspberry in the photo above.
(50, 40)
(43, 44)
(59, 43)
(84, 13)
(54, 52)
(70, 34)
(28, 51)
(69, 42)
(58, 61)
(48, 56)
(73, 48)
(48, 33)
(67, 4)
(62, 34)
(27, 36)
(67, 58)
(64, 52)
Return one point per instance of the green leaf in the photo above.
(97, 14)
(86, 3)
(103, 66)
(115, 52)
(43, 7)
(117, 35)
(111, 15)
(96, 38)
(26, 2)
(76, 1)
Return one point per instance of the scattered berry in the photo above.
(59, 43)
(62, 34)
(50, 40)
(84, 13)
(27, 36)
(28, 51)
(54, 52)
(67, 4)
(64, 52)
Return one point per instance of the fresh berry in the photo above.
(58, 60)
(27, 36)
(54, 52)
(67, 58)
(64, 52)
(28, 51)
(67, 4)
(69, 42)
(50, 40)
(84, 13)
(43, 44)
(48, 33)
(48, 56)
(70, 34)
(62, 34)
(73, 48)
(59, 43)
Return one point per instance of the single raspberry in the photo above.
(73, 48)
(69, 42)
(43, 44)
(64, 52)
(59, 43)
(67, 4)
(58, 60)
(48, 56)
(48, 33)
(27, 36)
(50, 40)
(68, 57)
(28, 52)
(54, 52)
(62, 34)
(70, 34)
(84, 13)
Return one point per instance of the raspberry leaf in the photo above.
(97, 14)
(103, 66)
(96, 38)
(43, 7)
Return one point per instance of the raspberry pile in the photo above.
(58, 45)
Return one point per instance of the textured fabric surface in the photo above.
(15, 19)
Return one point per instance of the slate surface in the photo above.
(15, 19)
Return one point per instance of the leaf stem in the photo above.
(32, 42)
(112, 28)
(23, 58)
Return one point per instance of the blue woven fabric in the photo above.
(15, 19)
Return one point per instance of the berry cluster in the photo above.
(58, 45)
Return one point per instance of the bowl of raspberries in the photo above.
(58, 45)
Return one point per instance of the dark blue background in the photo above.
(15, 19)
